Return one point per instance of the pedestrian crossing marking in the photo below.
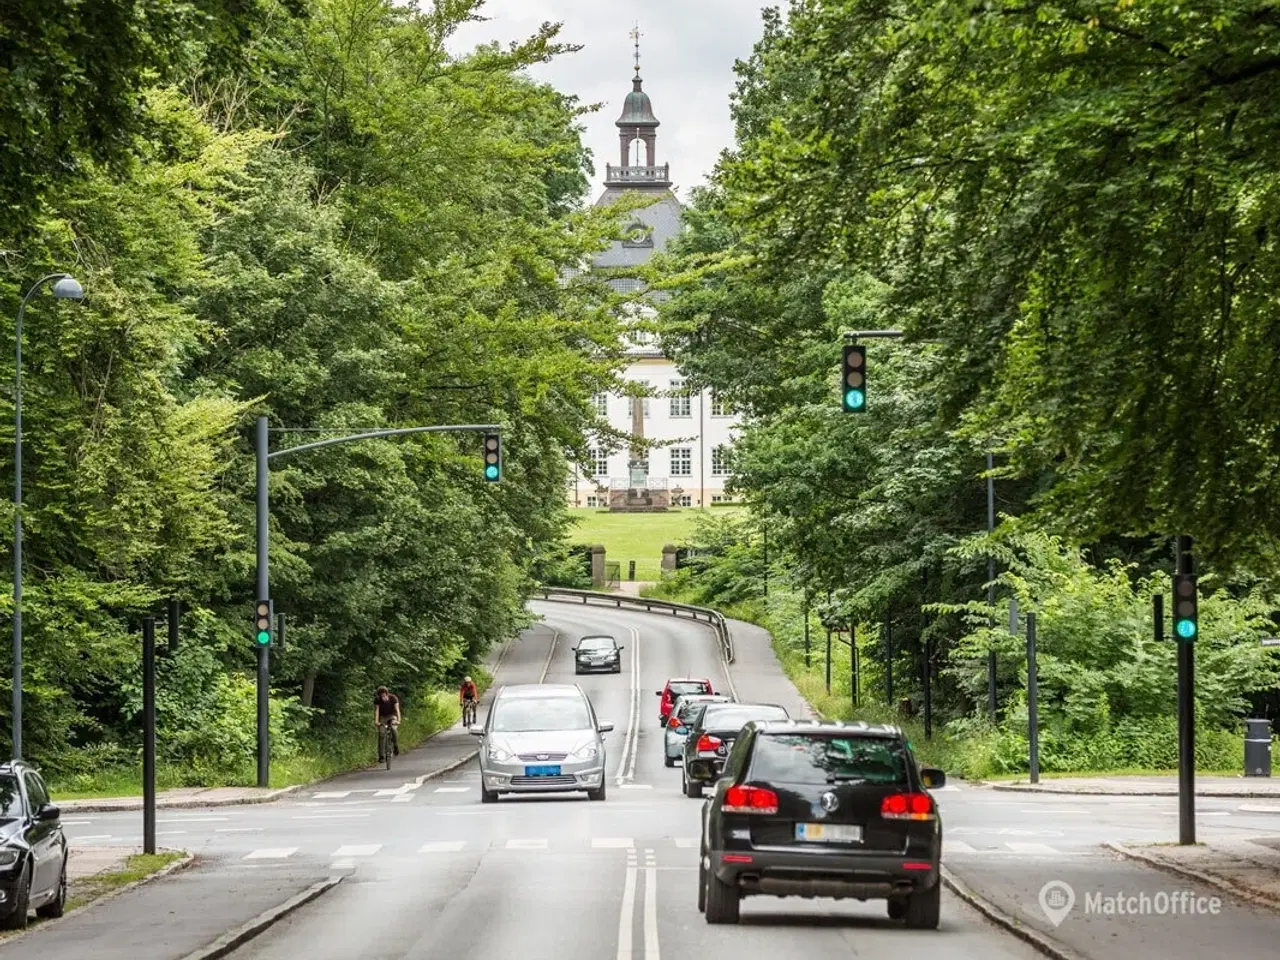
(272, 853)
(957, 846)
(612, 843)
(442, 846)
(365, 850)
(686, 843)
(527, 844)
(403, 798)
(1031, 848)
(452, 789)
(333, 795)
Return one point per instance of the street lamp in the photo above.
(65, 287)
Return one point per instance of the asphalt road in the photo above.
(429, 872)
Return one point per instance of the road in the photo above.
(429, 872)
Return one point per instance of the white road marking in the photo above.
(239, 829)
(957, 846)
(635, 786)
(627, 915)
(686, 843)
(627, 763)
(1260, 808)
(339, 865)
(442, 846)
(76, 823)
(536, 844)
(1031, 848)
(452, 789)
(555, 635)
(329, 816)
(1199, 813)
(194, 820)
(403, 798)
(333, 795)
(650, 907)
(949, 788)
(171, 833)
(612, 843)
(365, 850)
(101, 836)
(271, 853)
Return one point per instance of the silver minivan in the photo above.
(541, 738)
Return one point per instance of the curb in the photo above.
(449, 769)
(230, 942)
(185, 861)
(1036, 939)
(1216, 794)
(97, 806)
(1178, 870)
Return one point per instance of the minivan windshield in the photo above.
(526, 715)
(820, 758)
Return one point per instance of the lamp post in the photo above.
(65, 287)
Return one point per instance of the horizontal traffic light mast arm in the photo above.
(443, 428)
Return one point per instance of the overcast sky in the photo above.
(687, 52)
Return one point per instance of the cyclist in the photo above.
(467, 697)
(386, 709)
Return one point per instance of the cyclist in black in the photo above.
(386, 707)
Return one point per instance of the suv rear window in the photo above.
(726, 716)
(688, 706)
(686, 686)
(825, 758)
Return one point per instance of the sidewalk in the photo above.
(1155, 786)
(1249, 869)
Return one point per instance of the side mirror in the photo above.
(933, 778)
(605, 726)
(476, 731)
(620, 649)
(657, 693)
(49, 812)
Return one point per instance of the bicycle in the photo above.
(469, 713)
(385, 744)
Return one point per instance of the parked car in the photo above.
(832, 810)
(678, 687)
(541, 738)
(597, 653)
(678, 724)
(33, 848)
(711, 736)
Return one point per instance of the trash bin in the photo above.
(1257, 748)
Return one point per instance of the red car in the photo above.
(679, 687)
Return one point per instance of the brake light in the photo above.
(907, 806)
(749, 800)
(674, 721)
(707, 743)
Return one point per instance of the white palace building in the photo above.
(688, 435)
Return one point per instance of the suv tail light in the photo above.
(907, 806)
(708, 744)
(673, 722)
(749, 800)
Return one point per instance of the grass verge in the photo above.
(636, 536)
(424, 716)
(137, 867)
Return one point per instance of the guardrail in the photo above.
(702, 614)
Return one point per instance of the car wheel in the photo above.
(488, 796)
(897, 909)
(668, 761)
(598, 794)
(692, 788)
(924, 908)
(618, 668)
(702, 883)
(723, 900)
(17, 920)
(58, 905)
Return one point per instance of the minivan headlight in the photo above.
(8, 856)
(586, 752)
(500, 755)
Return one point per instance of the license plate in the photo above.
(547, 771)
(829, 833)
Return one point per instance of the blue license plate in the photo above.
(548, 771)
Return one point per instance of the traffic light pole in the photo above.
(264, 456)
(1186, 712)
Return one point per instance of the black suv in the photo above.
(834, 810)
(712, 730)
(33, 848)
(597, 653)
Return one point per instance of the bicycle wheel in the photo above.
(386, 744)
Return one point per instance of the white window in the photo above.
(716, 498)
(681, 462)
(593, 501)
(686, 500)
(601, 402)
(720, 461)
(631, 403)
(598, 463)
(719, 406)
(679, 399)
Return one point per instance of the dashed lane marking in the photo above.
(453, 789)
(272, 853)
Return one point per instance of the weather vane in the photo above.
(636, 35)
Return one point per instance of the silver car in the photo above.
(677, 730)
(541, 738)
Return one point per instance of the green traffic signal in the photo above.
(264, 637)
(854, 399)
(491, 472)
(1186, 629)
(853, 383)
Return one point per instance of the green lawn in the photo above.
(635, 536)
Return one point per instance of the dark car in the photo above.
(33, 848)
(597, 653)
(712, 732)
(823, 810)
(678, 723)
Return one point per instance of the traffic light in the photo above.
(1184, 606)
(853, 385)
(262, 624)
(492, 457)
